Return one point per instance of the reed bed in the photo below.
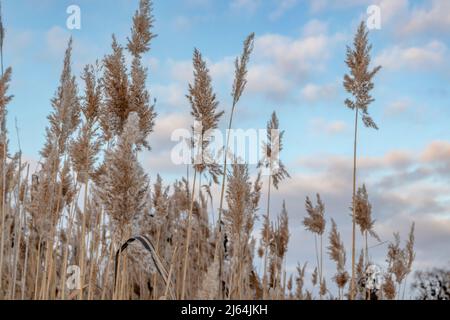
(88, 225)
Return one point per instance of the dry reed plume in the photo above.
(359, 84)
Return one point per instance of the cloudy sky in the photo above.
(297, 70)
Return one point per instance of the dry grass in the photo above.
(89, 198)
(359, 84)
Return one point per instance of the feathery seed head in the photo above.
(359, 81)
(315, 221)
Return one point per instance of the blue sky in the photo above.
(37, 34)
(296, 69)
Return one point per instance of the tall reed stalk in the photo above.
(204, 110)
(240, 81)
(359, 84)
(3, 159)
(276, 171)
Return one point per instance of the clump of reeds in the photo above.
(277, 251)
(239, 84)
(336, 250)
(204, 110)
(243, 201)
(315, 222)
(90, 204)
(276, 172)
(400, 260)
(300, 281)
(363, 218)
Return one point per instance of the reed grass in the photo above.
(89, 196)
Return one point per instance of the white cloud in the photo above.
(397, 107)
(266, 79)
(282, 7)
(199, 3)
(17, 43)
(164, 126)
(313, 92)
(435, 18)
(404, 17)
(295, 56)
(182, 23)
(18, 40)
(56, 40)
(320, 125)
(314, 27)
(317, 5)
(181, 71)
(431, 233)
(431, 55)
(31, 161)
(399, 189)
(281, 63)
(437, 151)
(160, 163)
(171, 95)
(222, 69)
(158, 160)
(321, 5)
(337, 127)
(278, 64)
(55, 43)
(391, 9)
(153, 63)
(249, 5)
(388, 5)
